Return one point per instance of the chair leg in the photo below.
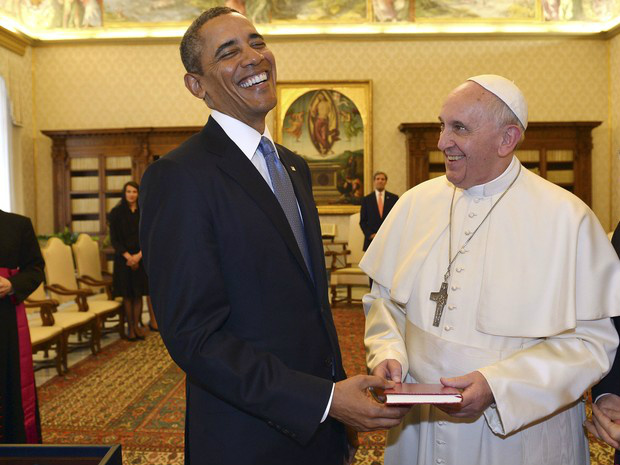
(334, 295)
(349, 296)
(65, 350)
(95, 341)
(59, 355)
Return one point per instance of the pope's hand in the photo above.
(605, 422)
(477, 395)
(5, 286)
(389, 369)
(353, 405)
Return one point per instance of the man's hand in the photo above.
(477, 395)
(5, 287)
(354, 406)
(389, 369)
(605, 424)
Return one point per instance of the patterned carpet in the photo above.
(133, 394)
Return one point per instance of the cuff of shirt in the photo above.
(329, 403)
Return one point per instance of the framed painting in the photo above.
(329, 124)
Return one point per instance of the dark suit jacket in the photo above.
(370, 221)
(611, 382)
(237, 308)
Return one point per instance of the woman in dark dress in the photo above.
(130, 281)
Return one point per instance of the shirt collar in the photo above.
(497, 185)
(244, 137)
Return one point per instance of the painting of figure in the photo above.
(473, 9)
(329, 128)
(580, 10)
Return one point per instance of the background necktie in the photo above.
(283, 189)
(380, 204)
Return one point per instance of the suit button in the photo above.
(270, 423)
(328, 362)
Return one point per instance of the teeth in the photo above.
(262, 77)
(454, 157)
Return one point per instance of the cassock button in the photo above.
(440, 461)
(472, 214)
(455, 288)
(451, 307)
(448, 328)
(440, 442)
(468, 232)
(459, 269)
(441, 423)
(477, 200)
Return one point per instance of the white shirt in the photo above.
(247, 139)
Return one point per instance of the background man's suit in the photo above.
(611, 382)
(248, 325)
(370, 220)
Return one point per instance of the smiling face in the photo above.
(474, 145)
(239, 71)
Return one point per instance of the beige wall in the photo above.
(94, 86)
(614, 66)
(16, 71)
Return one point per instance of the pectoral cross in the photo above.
(441, 297)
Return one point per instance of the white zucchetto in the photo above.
(507, 92)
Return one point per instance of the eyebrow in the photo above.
(231, 42)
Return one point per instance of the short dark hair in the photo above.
(191, 44)
(377, 173)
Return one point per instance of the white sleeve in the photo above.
(539, 380)
(385, 329)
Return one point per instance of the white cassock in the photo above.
(529, 302)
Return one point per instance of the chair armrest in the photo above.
(47, 307)
(62, 290)
(32, 303)
(80, 294)
(90, 281)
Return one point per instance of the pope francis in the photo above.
(495, 281)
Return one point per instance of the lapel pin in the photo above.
(293, 168)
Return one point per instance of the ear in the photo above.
(193, 84)
(510, 138)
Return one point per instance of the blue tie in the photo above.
(283, 189)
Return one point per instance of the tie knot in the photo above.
(266, 147)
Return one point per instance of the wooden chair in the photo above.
(344, 267)
(45, 335)
(92, 276)
(54, 329)
(62, 286)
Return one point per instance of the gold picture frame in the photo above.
(329, 124)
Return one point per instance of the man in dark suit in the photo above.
(605, 422)
(232, 245)
(375, 207)
(21, 271)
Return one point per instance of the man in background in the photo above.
(232, 246)
(375, 207)
(497, 282)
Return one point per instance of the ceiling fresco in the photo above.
(36, 16)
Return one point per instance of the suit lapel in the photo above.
(236, 165)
